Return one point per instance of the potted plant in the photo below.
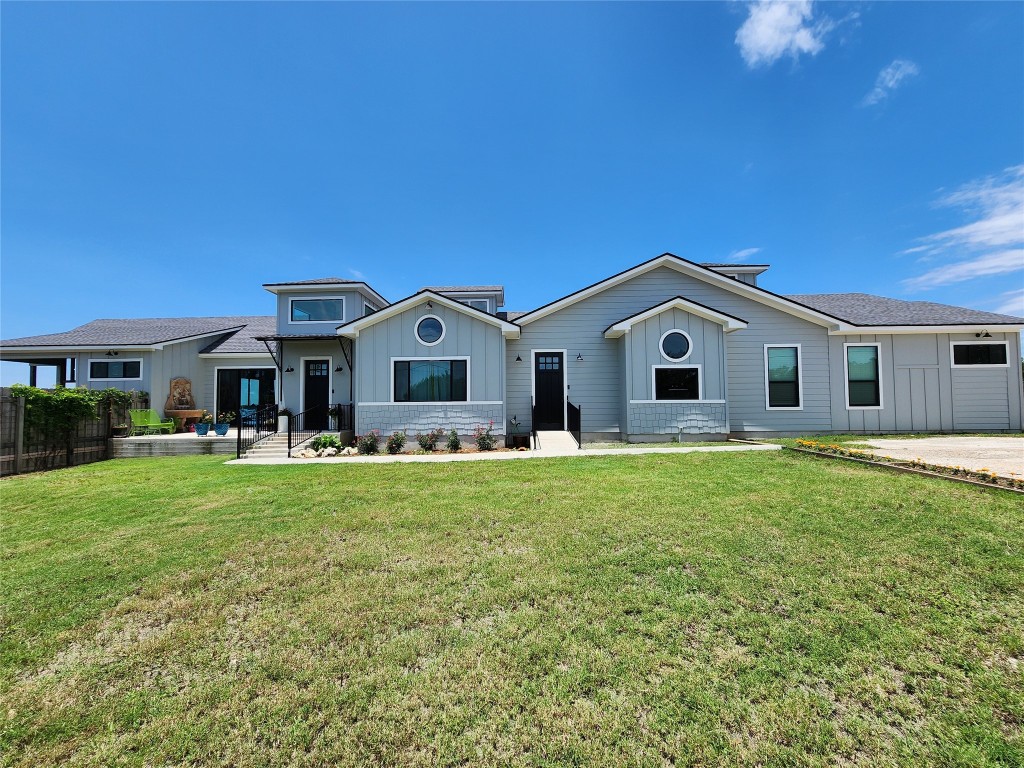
(223, 423)
(283, 416)
(519, 440)
(203, 425)
(119, 430)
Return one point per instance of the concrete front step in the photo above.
(556, 441)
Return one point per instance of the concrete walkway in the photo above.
(542, 453)
(1002, 455)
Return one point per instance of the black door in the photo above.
(549, 390)
(316, 393)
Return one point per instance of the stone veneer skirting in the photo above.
(423, 417)
(672, 418)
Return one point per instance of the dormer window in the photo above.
(325, 310)
(481, 304)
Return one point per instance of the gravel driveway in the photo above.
(1002, 455)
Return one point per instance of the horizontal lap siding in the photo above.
(598, 383)
(981, 399)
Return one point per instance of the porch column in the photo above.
(31, 375)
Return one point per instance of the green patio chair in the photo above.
(147, 420)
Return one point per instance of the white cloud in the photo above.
(777, 28)
(996, 235)
(357, 274)
(998, 263)
(1010, 303)
(889, 79)
(746, 253)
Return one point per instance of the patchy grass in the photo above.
(738, 609)
(862, 440)
(667, 444)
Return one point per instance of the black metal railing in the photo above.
(343, 417)
(306, 425)
(533, 423)
(255, 424)
(575, 417)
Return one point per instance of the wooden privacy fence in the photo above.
(23, 449)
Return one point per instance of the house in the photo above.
(666, 349)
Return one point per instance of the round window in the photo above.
(430, 330)
(675, 345)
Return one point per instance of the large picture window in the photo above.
(863, 380)
(782, 373)
(979, 354)
(676, 382)
(100, 370)
(326, 310)
(431, 381)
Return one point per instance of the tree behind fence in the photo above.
(41, 451)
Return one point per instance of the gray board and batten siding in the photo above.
(923, 392)
(598, 383)
(643, 352)
(353, 310)
(466, 336)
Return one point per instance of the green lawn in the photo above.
(726, 609)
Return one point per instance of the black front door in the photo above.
(316, 393)
(549, 390)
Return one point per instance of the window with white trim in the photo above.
(481, 304)
(110, 370)
(323, 310)
(431, 381)
(783, 378)
(368, 309)
(863, 377)
(675, 345)
(430, 330)
(983, 353)
(676, 382)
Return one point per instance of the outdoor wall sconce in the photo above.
(982, 335)
(111, 353)
(339, 369)
(430, 305)
(289, 369)
(579, 357)
(519, 359)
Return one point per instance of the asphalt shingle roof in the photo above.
(866, 309)
(244, 340)
(464, 288)
(316, 281)
(142, 331)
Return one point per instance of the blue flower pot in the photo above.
(221, 429)
(202, 429)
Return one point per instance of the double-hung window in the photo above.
(783, 376)
(863, 376)
(431, 381)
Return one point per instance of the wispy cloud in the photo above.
(746, 253)
(1010, 303)
(889, 79)
(996, 234)
(357, 274)
(777, 28)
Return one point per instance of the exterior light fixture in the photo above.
(579, 357)
(430, 305)
(519, 359)
(339, 369)
(289, 369)
(111, 353)
(982, 335)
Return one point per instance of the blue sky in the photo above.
(167, 159)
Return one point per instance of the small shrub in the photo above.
(454, 444)
(484, 438)
(369, 443)
(429, 441)
(396, 443)
(320, 442)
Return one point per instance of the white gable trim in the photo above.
(351, 330)
(728, 322)
(867, 330)
(693, 270)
